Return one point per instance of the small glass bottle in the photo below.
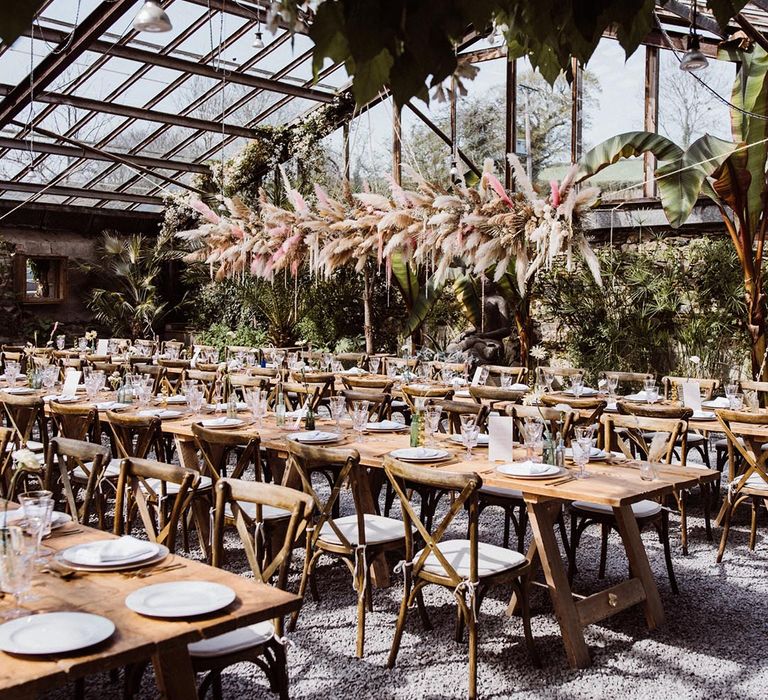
(560, 452)
(309, 422)
(280, 407)
(231, 401)
(416, 429)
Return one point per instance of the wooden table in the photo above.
(136, 638)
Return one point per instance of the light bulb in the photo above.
(152, 18)
(258, 41)
(693, 59)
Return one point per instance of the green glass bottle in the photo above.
(415, 429)
(309, 421)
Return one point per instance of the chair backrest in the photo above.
(242, 382)
(218, 446)
(232, 350)
(149, 346)
(759, 391)
(654, 410)
(654, 438)
(369, 382)
(69, 362)
(23, 413)
(745, 432)
(495, 372)
(176, 345)
(234, 493)
(91, 359)
(453, 410)
(108, 368)
(155, 371)
(266, 372)
(296, 395)
(144, 483)
(135, 436)
(175, 373)
(207, 379)
(636, 380)
(559, 421)
(560, 372)
(352, 359)
(75, 422)
(13, 354)
(672, 385)
(586, 410)
(304, 460)
(378, 402)
(464, 488)
(412, 391)
(491, 395)
(63, 457)
(324, 381)
(436, 366)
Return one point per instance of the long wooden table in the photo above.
(136, 638)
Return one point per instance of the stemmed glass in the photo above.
(15, 566)
(12, 371)
(50, 374)
(611, 383)
(736, 402)
(432, 416)
(577, 385)
(731, 389)
(549, 379)
(360, 418)
(469, 435)
(256, 399)
(195, 398)
(338, 406)
(505, 378)
(581, 448)
(373, 364)
(533, 430)
(60, 342)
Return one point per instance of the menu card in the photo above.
(692, 394)
(500, 434)
(102, 347)
(71, 381)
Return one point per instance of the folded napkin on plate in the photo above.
(354, 370)
(300, 413)
(719, 402)
(105, 551)
(639, 396)
(519, 387)
(241, 406)
(530, 468)
(386, 425)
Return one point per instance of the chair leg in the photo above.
(361, 604)
(523, 593)
(402, 616)
(574, 542)
(563, 533)
(707, 496)
(507, 523)
(472, 627)
(605, 530)
(522, 526)
(459, 626)
(753, 525)
(423, 614)
(216, 689)
(664, 536)
(309, 559)
(682, 500)
(726, 520)
(280, 671)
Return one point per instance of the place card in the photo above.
(692, 394)
(480, 376)
(500, 436)
(71, 380)
(102, 347)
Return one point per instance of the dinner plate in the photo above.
(83, 556)
(176, 599)
(586, 391)
(57, 518)
(241, 406)
(175, 399)
(54, 633)
(520, 470)
(314, 437)
(420, 454)
(462, 394)
(594, 453)
(162, 553)
(161, 413)
(719, 402)
(222, 423)
(385, 426)
(482, 439)
(703, 415)
(19, 390)
(61, 399)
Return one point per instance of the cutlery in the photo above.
(562, 480)
(76, 531)
(151, 572)
(60, 574)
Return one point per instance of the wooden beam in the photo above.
(83, 151)
(131, 53)
(651, 118)
(62, 191)
(751, 31)
(239, 10)
(702, 21)
(577, 90)
(397, 144)
(510, 131)
(70, 48)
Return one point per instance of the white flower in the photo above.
(539, 352)
(26, 458)
(694, 360)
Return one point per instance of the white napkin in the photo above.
(530, 468)
(354, 370)
(105, 551)
(639, 396)
(213, 422)
(719, 402)
(500, 429)
(386, 425)
(519, 387)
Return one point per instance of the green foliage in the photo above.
(656, 310)
(220, 335)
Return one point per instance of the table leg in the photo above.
(638, 564)
(174, 673)
(543, 517)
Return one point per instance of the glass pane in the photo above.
(370, 149)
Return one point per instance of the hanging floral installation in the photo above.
(478, 228)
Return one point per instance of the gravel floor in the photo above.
(712, 645)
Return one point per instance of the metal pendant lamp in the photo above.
(152, 18)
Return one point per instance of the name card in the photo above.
(480, 376)
(500, 435)
(71, 380)
(692, 395)
(102, 346)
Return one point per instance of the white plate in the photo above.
(385, 426)
(61, 399)
(640, 397)
(241, 406)
(719, 402)
(594, 453)
(18, 376)
(57, 518)
(222, 423)
(161, 413)
(180, 599)
(313, 437)
(519, 469)
(703, 415)
(54, 633)
(74, 555)
(19, 390)
(176, 399)
(462, 394)
(586, 391)
(420, 454)
(482, 439)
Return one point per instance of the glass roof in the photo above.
(179, 98)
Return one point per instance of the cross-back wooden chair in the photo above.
(178, 345)
(411, 392)
(148, 346)
(673, 387)
(67, 363)
(207, 379)
(618, 430)
(160, 494)
(241, 383)
(492, 395)
(175, 373)
(356, 539)
(23, 414)
(628, 380)
(436, 367)
(155, 371)
(6, 445)
(378, 402)
(296, 395)
(135, 436)
(218, 447)
(369, 382)
(518, 374)
(352, 359)
(755, 395)
(453, 410)
(324, 381)
(109, 368)
(13, 353)
(745, 433)
(77, 467)
(75, 421)
(467, 567)
(91, 359)
(260, 643)
(587, 411)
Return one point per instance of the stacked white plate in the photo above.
(385, 426)
(703, 415)
(180, 599)
(61, 399)
(223, 422)
(176, 399)
(112, 406)
(54, 633)
(586, 391)
(529, 470)
(719, 402)
(241, 406)
(482, 439)
(111, 554)
(639, 397)
(462, 394)
(315, 437)
(57, 519)
(161, 413)
(594, 453)
(19, 390)
(420, 454)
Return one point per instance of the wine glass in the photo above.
(581, 449)
(577, 385)
(652, 394)
(50, 374)
(432, 422)
(338, 406)
(15, 566)
(505, 378)
(730, 389)
(649, 384)
(549, 379)
(612, 383)
(360, 418)
(60, 342)
(374, 363)
(12, 371)
(469, 435)
(533, 430)
(736, 402)
(195, 398)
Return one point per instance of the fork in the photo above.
(63, 575)
(145, 573)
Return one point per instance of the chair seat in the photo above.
(234, 641)
(378, 529)
(692, 439)
(112, 470)
(33, 445)
(172, 488)
(491, 559)
(499, 492)
(641, 509)
(267, 512)
(397, 403)
(722, 444)
(754, 482)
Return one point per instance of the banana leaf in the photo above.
(632, 143)
(419, 299)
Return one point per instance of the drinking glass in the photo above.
(469, 434)
(446, 376)
(15, 567)
(577, 385)
(649, 384)
(647, 471)
(12, 371)
(50, 374)
(652, 394)
(60, 342)
(279, 357)
(730, 389)
(533, 431)
(293, 358)
(391, 370)
(360, 418)
(91, 388)
(336, 366)
(86, 370)
(250, 359)
(82, 344)
(432, 422)
(373, 364)
(736, 402)
(584, 432)
(612, 383)
(483, 378)
(39, 505)
(195, 399)
(506, 380)
(549, 379)
(338, 406)
(467, 419)
(581, 449)
(143, 394)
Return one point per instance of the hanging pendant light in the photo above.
(258, 41)
(152, 18)
(693, 59)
